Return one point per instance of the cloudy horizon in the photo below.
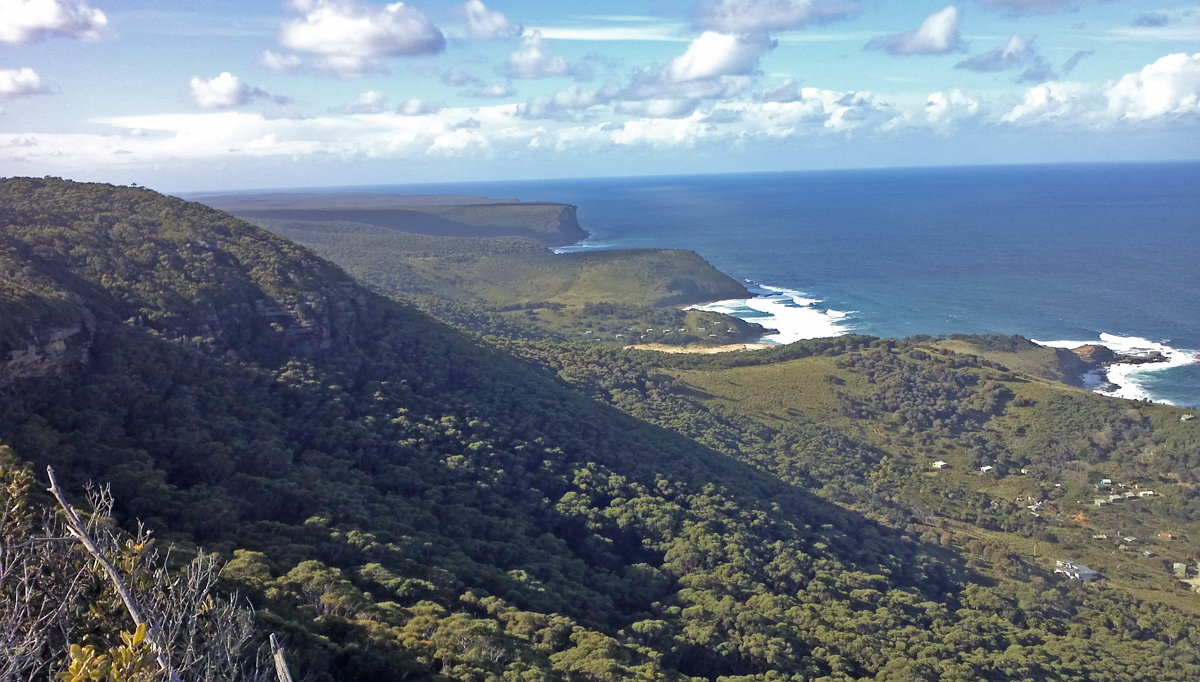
(351, 92)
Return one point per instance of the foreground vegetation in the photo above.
(398, 501)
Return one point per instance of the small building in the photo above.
(1106, 481)
(1127, 495)
(1075, 571)
(1122, 548)
(986, 468)
(1130, 539)
(1167, 536)
(1145, 493)
(1100, 503)
(1148, 553)
(1187, 417)
(1101, 536)
(1115, 498)
(1179, 569)
(1024, 471)
(940, 464)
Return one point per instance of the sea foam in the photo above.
(793, 314)
(1128, 377)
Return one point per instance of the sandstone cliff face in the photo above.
(48, 350)
(323, 321)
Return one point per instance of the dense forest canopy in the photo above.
(400, 500)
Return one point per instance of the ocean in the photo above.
(1062, 254)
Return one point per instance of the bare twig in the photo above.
(76, 527)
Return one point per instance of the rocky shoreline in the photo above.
(1099, 359)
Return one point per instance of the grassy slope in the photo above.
(775, 394)
(1057, 364)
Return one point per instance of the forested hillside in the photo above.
(400, 502)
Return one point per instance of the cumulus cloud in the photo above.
(938, 34)
(369, 102)
(1026, 7)
(715, 66)
(487, 24)
(719, 54)
(352, 38)
(660, 108)
(1011, 54)
(753, 16)
(418, 107)
(27, 21)
(787, 91)
(1169, 86)
(534, 60)
(288, 63)
(565, 103)
(227, 91)
(19, 83)
(495, 91)
(1055, 101)
(952, 106)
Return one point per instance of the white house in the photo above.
(1075, 571)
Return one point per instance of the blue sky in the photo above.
(274, 93)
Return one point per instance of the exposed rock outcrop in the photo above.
(48, 350)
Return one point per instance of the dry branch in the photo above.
(76, 528)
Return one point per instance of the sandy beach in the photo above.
(706, 350)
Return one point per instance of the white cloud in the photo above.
(227, 91)
(787, 91)
(717, 54)
(19, 83)
(1013, 53)
(1025, 7)
(566, 102)
(715, 66)
(1167, 89)
(417, 107)
(952, 106)
(369, 102)
(1055, 101)
(457, 77)
(27, 21)
(352, 38)
(495, 91)
(288, 63)
(936, 35)
(487, 24)
(1169, 86)
(753, 16)
(534, 60)
(659, 108)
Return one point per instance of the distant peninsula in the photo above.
(550, 224)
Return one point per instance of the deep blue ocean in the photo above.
(1061, 254)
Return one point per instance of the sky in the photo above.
(250, 94)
